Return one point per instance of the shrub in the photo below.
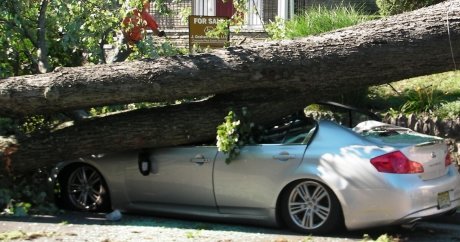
(449, 110)
(391, 7)
(421, 99)
(27, 194)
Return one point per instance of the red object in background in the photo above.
(134, 33)
(224, 9)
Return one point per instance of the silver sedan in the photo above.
(311, 177)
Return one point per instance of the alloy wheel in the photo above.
(309, 205)
(85, 188)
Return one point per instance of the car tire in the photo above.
(310, 207)
(82, 188)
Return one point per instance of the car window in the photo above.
(293, 129)
(345, 115)
(298, 131)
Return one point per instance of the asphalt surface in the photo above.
(73, 226)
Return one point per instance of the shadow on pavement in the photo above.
(426, 227)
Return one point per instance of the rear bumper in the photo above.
(429, 212)
(407, 199)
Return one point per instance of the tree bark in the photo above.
(167, 126)
(372, 53)
(272, 79)
(42, 51)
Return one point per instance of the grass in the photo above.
(319, 19)
(316, 20)
(439, 91)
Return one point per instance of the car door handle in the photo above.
(284, 156)
(199, 159)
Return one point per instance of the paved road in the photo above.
(94, 227)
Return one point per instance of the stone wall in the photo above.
(447, 128)
(180, 38)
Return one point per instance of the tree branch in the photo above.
(42, 48)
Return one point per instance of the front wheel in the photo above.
(310, 207)
(83, 188)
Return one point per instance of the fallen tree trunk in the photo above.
(168, 126)
(272, 79)
(375, 52)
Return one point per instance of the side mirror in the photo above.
(144, 163)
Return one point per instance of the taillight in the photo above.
(396, 162)
(448, 160)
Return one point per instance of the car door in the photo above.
(179, 176)
(250, 184)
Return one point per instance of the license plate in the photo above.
(443, 200)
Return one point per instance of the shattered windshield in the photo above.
(381, 132)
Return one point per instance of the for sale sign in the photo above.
(199, 26)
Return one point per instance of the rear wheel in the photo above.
(310, 207)
(83, 188)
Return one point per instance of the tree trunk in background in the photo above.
(272, 79)
(42, 51)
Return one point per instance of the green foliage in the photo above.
(420, 99)
(72, 28)
(236, 132)
(391, 7)
(446, 89)
(26, 194)
(30, 125)
(316, 20)
(193, 234)
(393, 112)
(119, 108)
(228, 137)
(148, 49)
(184, 13)
(276, 29)
(237, 19)
(76, 32)
(198, 49)
(37, 123)
(106, 109)
(381, 238)
(448, 110)
(221, 29)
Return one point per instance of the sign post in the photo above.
(199, 26)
